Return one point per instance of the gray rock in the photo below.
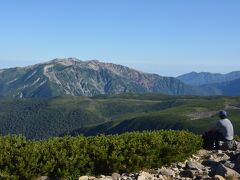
(91, 177)
(194, 165)
(116, 176)
(218, 177)
(180, 165)
(167, 172)
(229, 164)
(124, 177)
(83, 178)
(108, 178)
(145, 176)
(160, 177)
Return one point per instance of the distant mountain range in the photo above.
(204, 78)
(71, 76)
(219, 84)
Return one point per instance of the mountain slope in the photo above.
(89, 78)
(229, 88)
(204, 78)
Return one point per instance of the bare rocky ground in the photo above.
(206, 165)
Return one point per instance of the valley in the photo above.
(113, 114)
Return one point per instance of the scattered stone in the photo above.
(145, 176)
(91, 177)
(116, 176)
(194, 165)
(229, 164)
(225, 171)
(167, 172)
(108, 178)
(218, 177)
(180, 165)
(160, 177)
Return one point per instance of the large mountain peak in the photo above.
(71, 76)
(64, 61)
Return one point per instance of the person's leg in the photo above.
(218, 137)
(208, 140)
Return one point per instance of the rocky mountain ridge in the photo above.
(71, 76)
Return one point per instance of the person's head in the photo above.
(222, 114)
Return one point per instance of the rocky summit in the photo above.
(206, 165)
(71, 76)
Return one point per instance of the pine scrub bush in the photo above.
(75, 156)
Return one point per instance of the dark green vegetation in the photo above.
(70, 157)
(44, 118)
(71, 76)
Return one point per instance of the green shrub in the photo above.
(75, 156)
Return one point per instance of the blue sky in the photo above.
(168, 37)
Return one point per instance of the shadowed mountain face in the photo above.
(89, 78)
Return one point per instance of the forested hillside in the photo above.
(44, 118)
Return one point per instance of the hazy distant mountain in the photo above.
(74, 77)
(202, 78)
(229, 88)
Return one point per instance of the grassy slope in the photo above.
(174, 117)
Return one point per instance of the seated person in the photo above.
(222, 131)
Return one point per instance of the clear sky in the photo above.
(167, 37)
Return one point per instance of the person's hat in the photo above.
(222, 114)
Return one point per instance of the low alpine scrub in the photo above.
(74, 156)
